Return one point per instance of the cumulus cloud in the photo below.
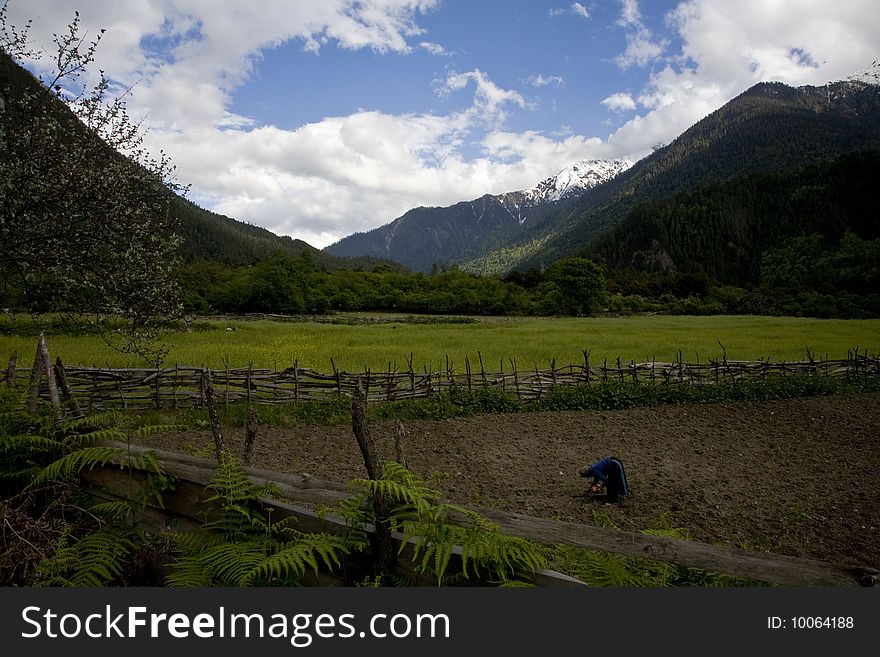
(728, 47)
(538, 80)
(323, 180)
(580, 10)
(434, 48)
(620, 102)
(489, 98)
(641, 46)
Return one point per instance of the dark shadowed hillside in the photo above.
(770, 127)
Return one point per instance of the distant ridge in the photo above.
(424, 238)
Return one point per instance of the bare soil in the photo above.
(799, 477)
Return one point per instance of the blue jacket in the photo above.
(603, 469)
(600, 470)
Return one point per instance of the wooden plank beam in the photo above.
(778, 569)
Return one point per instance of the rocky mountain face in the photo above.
(427, 237)
(771, 127)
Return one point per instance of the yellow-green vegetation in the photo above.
(530, 341)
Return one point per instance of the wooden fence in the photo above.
(97, 387)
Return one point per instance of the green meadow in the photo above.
(532, 342)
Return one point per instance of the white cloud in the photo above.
(489, 98)
(641, 47)
(630, 14)
(434, 49)
(620, 102)
(580, 10)
(540, 80)
(214, 43)
(729, 46)
(554, 12)
(323, 180)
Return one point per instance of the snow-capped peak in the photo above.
(870, 75)
(577, 178)
(570, 182)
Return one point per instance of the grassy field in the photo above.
(531, 341)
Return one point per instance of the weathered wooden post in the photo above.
(399, 435)
(213, 413)
(10, 371)
(382, 544)
(250, 429)
(34, 389)
(250, 435)
(42, 363)
(67, 394)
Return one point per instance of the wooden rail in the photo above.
(187, 503)
(101, 388)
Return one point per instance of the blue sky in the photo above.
(319, 118)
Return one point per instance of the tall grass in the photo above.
(530, 341)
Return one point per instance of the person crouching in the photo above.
(610, 474)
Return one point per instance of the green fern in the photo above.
(92, 560)
(71, 464)
(244, 546)
(418, 512)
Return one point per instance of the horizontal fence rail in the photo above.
(188, 502)
(101, 388)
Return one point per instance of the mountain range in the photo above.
(770, 127)
(596, 208)
(424, 238)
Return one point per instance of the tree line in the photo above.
(297, 285)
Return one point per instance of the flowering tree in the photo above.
(85, 226)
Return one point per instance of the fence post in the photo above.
(94, 391)
(515, 379)
(336, 375)
(382, 543)
(250, 435)
(10, 370)
(399, 435)
(36, 374)
(226, 372)
(43, 363)
(482, 369)
(174, 386)
(66, 392)
(213, 414)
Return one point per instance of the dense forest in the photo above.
(769, 127)
(811, 234)
(283, 284)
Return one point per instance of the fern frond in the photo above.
(29, 443)
(149, 462)
(93, 422)
(188, 572)
(111, 511)
(93, 560)
(231, 563)
(78, 440)
(291, 559)
(71, 464)
(153, 429)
